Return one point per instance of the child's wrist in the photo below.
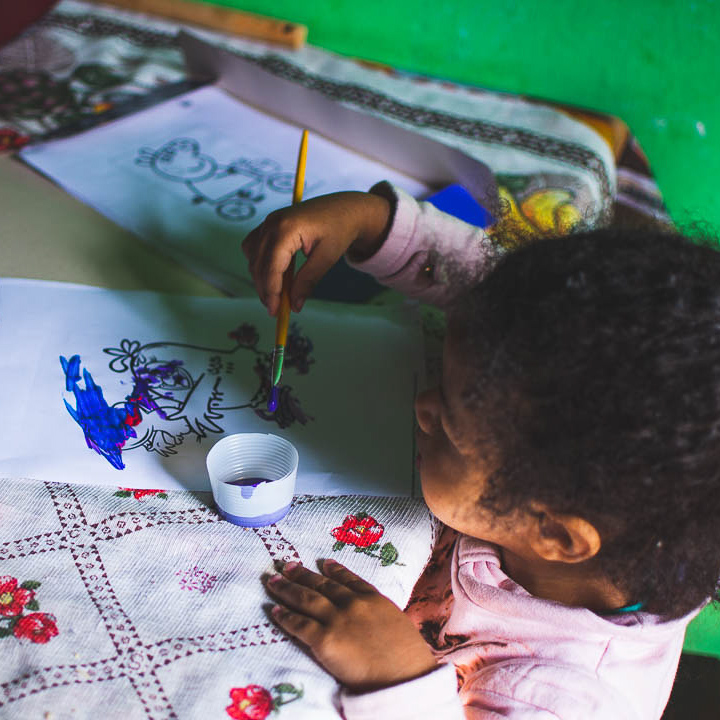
(376, 214)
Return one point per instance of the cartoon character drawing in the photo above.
(233, 189)
(181, 391)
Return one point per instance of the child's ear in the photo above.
(563, 538)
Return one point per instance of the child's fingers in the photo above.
(252, 247)
(318, 263)
(300, 626)
(300, 598)
(272, 277)
(335, 592)
(335, 571)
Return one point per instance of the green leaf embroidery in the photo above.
(5, 631)
(338, 545)
(30, 585)
(122, 493)
(32, 605)
(162, 495)
(361, 515)
(284, 687)
(388, 554)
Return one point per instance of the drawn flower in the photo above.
(254, 702)
(37, 627)
(139, 494)
(246, 335)
(11, 139)
(364, 531)
(250, 703)
(360, 530)
(13, 598)
(123, 355)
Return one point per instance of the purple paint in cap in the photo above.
(252, 476)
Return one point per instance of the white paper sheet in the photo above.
(195, 174)
(148, 382)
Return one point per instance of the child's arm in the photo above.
(406, 244)
(427, 253)
(324, 228)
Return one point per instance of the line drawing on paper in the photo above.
(181, 391)
(233, 189)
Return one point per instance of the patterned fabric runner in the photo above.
(148, 601)
(557, 165)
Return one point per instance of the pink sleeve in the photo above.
(431, 696)
(529, 689)
(427, 254)
(518, 689)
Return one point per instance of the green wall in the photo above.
(654, 63)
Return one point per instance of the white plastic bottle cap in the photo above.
(252, 476)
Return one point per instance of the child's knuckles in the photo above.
(284, 226)
(300, 626)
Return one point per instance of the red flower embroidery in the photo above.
(138, 494)
(37, 627)
(250, 703)
(364, 531)
(13, 598)
(360, 530)
(11, 139)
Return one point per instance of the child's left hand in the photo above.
(361, 637)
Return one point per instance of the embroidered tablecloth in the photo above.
(146, 604)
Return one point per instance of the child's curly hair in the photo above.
(597, 393)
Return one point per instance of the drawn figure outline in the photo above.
(233, 189)
(180, 391)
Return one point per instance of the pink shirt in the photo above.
(521, 657)
(513, 655)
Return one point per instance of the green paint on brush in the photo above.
(277, 366)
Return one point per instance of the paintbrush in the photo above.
(283, 317)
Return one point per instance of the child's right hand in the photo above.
(324, 228)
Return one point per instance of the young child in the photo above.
(573, 444)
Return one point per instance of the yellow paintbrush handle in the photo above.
(283, 318)
(300, 171)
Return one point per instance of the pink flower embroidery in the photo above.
(254, 702)
(13, 598)
(196, 579)
(37, 627)
(250, 703)
(139, 494)
(364, 531)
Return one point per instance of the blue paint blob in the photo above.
(105, 427)
(272, 402)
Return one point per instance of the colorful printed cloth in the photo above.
(148, 603)
(555, 164)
